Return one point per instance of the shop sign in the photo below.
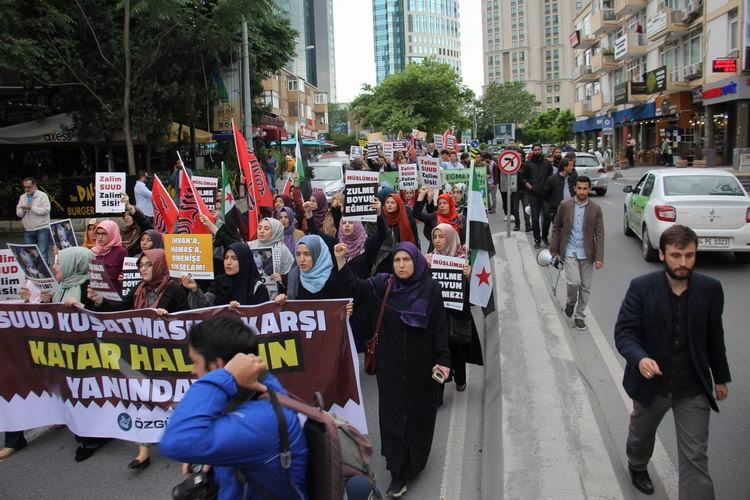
(575, 38)
(621, 46)
(725, 65)
(654, 81)
(698, 94)
(716, 92)
(656, 24)
(621, 93)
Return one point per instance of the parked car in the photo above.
(328, 176)
(588, 165)
(711, 202)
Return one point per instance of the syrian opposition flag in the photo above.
(299, 168)
(243, 159)
(482, 249)
(165, 211)
(191, 206)
(228, 207)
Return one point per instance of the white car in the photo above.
(711, 202)
(328, 177)
(588, 165)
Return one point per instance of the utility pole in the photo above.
(247, 101)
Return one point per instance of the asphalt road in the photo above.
(730, 429)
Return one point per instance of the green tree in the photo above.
(427, 96)
(553, 126)
(133, 66)
(338, 117)
(507, 102)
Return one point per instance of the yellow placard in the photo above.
(190, 254)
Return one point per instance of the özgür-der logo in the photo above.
(124, 421)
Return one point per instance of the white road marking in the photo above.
(454, 446)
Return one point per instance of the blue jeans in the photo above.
(271, 181)
(40, 238)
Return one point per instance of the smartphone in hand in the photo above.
(438, 376)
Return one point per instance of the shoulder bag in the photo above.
(371, 346)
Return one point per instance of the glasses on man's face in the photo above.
(145, 265)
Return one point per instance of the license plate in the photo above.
(713, 243)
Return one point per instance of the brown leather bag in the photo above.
(371, 346)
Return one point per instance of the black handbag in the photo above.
(460, 330)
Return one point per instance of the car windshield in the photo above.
(586, 161)
(702, 185)
(330, 172)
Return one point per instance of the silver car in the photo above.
(711, 202)
(588, 165)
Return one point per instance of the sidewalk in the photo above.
(552, 446)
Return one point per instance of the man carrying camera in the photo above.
(243, 445)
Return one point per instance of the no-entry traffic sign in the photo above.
(509, 161)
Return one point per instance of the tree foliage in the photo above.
(135, 66)
(553, 126)
(427, 96)
(507, 102)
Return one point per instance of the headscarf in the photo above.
(115, 240)
(355, 242)
(157, 284)
(384, 192)
(319, 214)
(315, 279)
(130, 234)
(409, 297)
(452, 217)
(399, 218)
(74, 265)
(286, 199)
(88, 242)
(411, 202)
(277, 232)
(156, 238)
(289, 229)
(241, 286)
(454, 247)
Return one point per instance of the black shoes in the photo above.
(580, 324)
(529, 229)
(137, 464)
(516, 228)
(461, 387)
(84, 452)
(545, 242)
(537, 244)
(397, 488)
(569, 310)
(641, 480)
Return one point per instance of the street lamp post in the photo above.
(247, 102)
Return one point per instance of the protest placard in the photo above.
(361, 188)
(362, 143)
(109, 374)
(372, 151)
(375, 137)
(266, 264)
(62, 234)
(402, 145)
(430, 171)
(438, 140)
(33, 266)
(355, 152)
(206, 187)
(450, 142)
(109, 186)
(11, 277)
(463, 175)
(388, 150)
(418, 134)
(100, 282)
(189, 254)
(407, 176)
(131, 276)
(449, 272)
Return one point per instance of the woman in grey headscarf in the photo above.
(271, 235)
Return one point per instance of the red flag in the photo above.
(165, 211)
(263, 194)
(191, 205)
(243, 159)
(288, 186)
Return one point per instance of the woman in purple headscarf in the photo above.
(413, 344)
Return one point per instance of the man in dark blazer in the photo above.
(670, 332)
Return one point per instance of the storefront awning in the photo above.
(201, 136)
(50, 130)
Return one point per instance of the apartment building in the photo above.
(666, 72)
(526, 40)
(290, 100)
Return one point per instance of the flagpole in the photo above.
(468, 209)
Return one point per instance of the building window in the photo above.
(292, 84)
(271, 98)
(321, 98)
(733, 30)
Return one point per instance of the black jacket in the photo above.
(536, 171)
(553, 188)
(644, 326)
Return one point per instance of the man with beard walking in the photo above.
(533, 176)
(670, 332)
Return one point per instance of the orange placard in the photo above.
(190, 254)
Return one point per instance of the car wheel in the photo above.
(626, 225)
(650, 254)
(601, 192)
(742, 257)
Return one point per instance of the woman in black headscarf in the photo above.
(240, 285)
(413, 344)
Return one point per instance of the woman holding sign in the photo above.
(412, 357)
(109, 249)
(135, 225)
(446, 213)
(446, 242)
(240, 285)
(271, 235)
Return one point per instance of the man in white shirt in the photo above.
(143, 199)
(33, 209)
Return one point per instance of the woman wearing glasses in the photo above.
(155, 291)
(109, 250)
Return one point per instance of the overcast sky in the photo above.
(355, 57)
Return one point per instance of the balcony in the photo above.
(667, 22)
(598, 101)
(630, 45)
(583, 108)
(682, 78)
(603, 21)
(584, 74)
(629, 7)
(603, 63)
(587, 41)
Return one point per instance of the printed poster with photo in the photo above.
(33, 266)
(265, 262)
(63, 235)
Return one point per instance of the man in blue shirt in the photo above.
(578, 236)
(224, 352)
